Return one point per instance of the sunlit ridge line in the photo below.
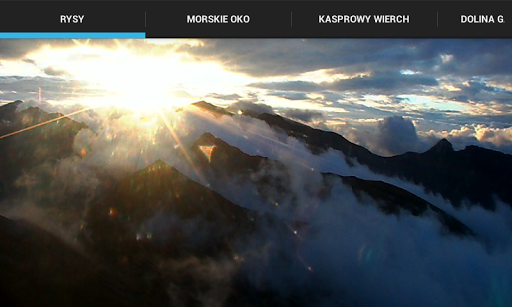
(180, 145)
(250, 132)
(43, 123)
(299, 161)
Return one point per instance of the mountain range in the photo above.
(133, 233)
(455, 175)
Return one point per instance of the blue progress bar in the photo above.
(72, 35)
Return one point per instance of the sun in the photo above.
(141, 83)
(138, 79)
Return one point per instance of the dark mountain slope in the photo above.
(395, 200)
(226, 161)
(8, 111)
(159, 209)
(25, 150)
(475, 173)
(271, 177)
(156, 219)
(38, 269)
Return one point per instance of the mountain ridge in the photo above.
(23, 151)
(229, 160)
(160, 192)
(474, 174)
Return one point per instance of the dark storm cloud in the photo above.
(479, 68)
(477, 57)
(482, 92)
(484, 57)
(378, 83)
(296, 86)
(289, 95)
(284, 57)
(383, 82)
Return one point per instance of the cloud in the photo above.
(17, 49)
(481, 92)
(477, 134)
(291, 57)
(397, 135)
(353, 249)
(388, 82)
(29, 61)
(294, 56)
(455, 81)
(469, 78)
(389, 136)
(289, 95)
(296, 86)
(257, 108)
(52, 71)
(10, 49)
(303, 115)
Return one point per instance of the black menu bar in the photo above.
(268, 19)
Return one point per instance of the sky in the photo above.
(388, 95)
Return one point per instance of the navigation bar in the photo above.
(251, 19)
